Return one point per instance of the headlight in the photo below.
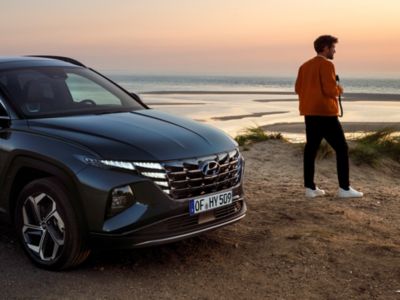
(108, 163)
(152, 170)
(123, 164)
(118, 164)
(148, 165)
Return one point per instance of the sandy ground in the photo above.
(287, 247)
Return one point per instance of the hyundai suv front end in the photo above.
(84, 163)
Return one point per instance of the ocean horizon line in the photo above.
(256, 76)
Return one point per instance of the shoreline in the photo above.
(346, 96)
(253, 115)
(233, 111)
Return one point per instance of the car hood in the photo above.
(144, 135)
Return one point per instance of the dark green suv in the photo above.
(84, 163)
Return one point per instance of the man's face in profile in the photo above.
(330, 52)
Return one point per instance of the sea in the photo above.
(190, 83)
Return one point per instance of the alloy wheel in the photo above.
(43, 228)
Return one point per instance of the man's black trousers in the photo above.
(330, 129)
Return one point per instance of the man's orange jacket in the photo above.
(317, 88)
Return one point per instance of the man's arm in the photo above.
(328, 80)
(298, 82)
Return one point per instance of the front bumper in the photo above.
(172, 229)
(154, 219)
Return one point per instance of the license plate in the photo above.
(209, 202)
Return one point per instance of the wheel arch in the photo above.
(26, 169)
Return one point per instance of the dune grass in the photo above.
(368, 149)
(256, 134)
(324, 150)
(371, 148)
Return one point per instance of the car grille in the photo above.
(187, 178)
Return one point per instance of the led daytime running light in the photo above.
(118, 164)
(154, 175)
(148, 165)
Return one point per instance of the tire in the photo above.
(49, 228)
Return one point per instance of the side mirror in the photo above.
(5, 122)
(137, 98)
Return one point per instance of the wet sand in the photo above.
(218, 93)
(346, 96)
(260, 114)
(233, 111)
(173, 103)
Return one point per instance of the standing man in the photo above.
(318, 96)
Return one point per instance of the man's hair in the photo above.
(324, 40)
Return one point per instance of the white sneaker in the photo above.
(310, 193)
(351, 193)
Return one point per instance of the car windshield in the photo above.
(57, 91)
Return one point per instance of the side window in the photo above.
(47, 90)
(28, 76)
(82, 88)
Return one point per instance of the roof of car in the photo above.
(11, 62)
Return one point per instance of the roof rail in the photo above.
(63, 58)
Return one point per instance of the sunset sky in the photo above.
(230, 37)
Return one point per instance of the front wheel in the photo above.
(48, 226)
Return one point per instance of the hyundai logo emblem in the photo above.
(210, 168)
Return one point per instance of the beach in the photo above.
(276, 111)
(92, 176)
(287, 247)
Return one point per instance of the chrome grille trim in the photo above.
(182, 179)
(187, 180)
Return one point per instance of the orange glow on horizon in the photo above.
(254, 37)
